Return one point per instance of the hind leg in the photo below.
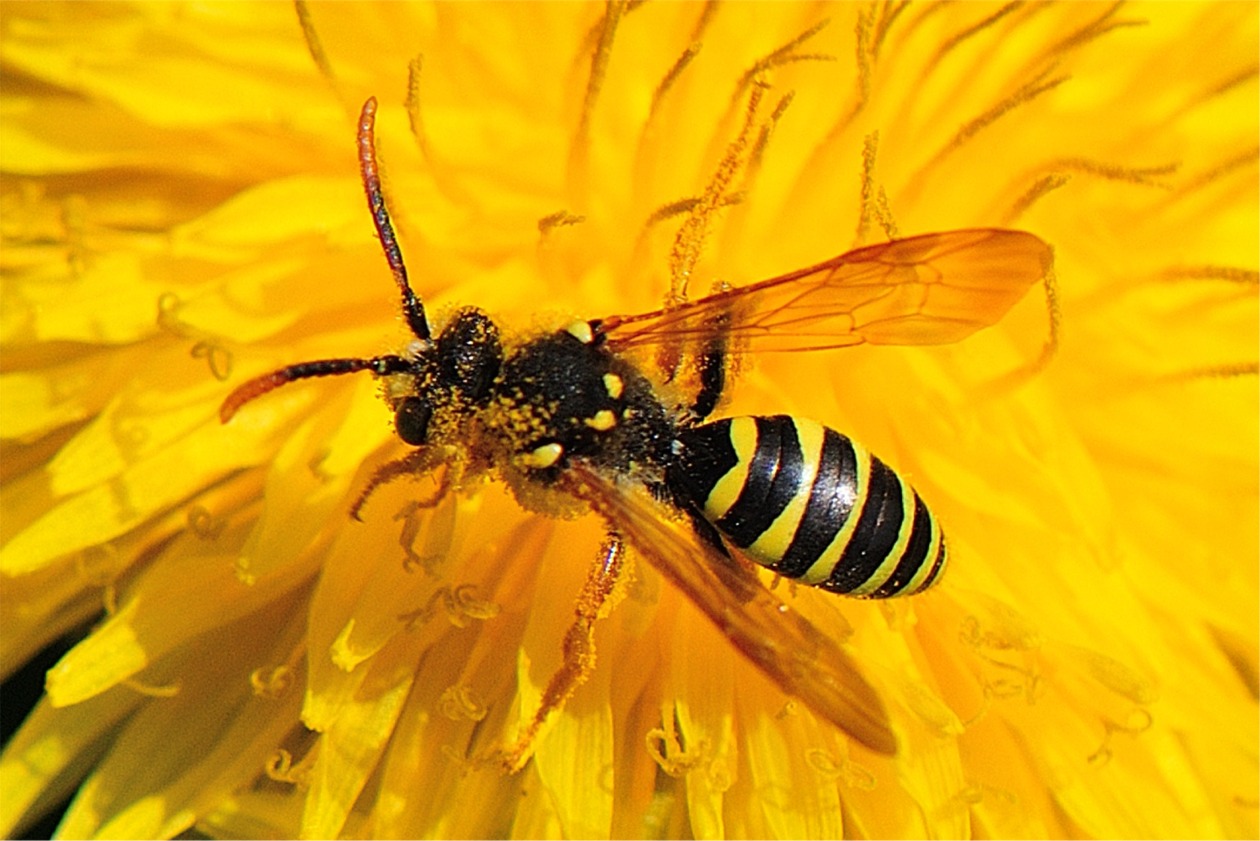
(579, 649)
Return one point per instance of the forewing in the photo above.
(781, 642)
(929, 289)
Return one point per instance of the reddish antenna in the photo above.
(413, 309)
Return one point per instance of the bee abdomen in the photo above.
(811, 504)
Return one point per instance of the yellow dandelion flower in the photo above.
(227, 651)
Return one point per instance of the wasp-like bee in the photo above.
(570, 419)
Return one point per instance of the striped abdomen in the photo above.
(811, 504)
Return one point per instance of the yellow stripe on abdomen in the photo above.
(743, 433)
(773, 543)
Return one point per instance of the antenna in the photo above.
(413, 309)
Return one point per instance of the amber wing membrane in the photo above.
(777, 639)
(929, 289)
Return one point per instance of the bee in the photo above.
(571, 420)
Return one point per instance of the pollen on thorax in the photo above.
(517, 421)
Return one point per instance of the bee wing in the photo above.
(929, 289)
(781, 642)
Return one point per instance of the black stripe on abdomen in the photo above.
(831, 503)
(914, 556)
(879, 526)
(773, 479)
(809, 503)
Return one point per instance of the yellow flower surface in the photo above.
(182, 210)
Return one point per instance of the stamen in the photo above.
(645, 153)
(667, 750)
(313, 45)
(690, 238)
(1223, 371)
(1112, 172)
(558, 219)
(671, 76)
(1243, 160)
(706, 18)
(282, 769)
(165, 690)
(203, 524)
(870, 146)
(464, 604)
(461, 703)
(781, 56)
(412, 104)
(1230, 274)
(206, 346)
(1091, 31)
(956, 40)
(865, 59)
(427, 525)
(1042, 187)
(579, 151)
(1227, 84)
(841, 768)
(889, 14)
(218, 357)
(435, 168)
(271, 683)
(1049, 349)
(1024, 95)
(875, 205)
(758, 152)
(460, 604)
(1117, 676)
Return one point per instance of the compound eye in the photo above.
(411, 420)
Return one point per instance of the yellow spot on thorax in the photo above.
(581, 330)
(603, 421)
(542, 457)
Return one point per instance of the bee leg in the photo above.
(415, 463)
(711, 367)
(579, 648)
